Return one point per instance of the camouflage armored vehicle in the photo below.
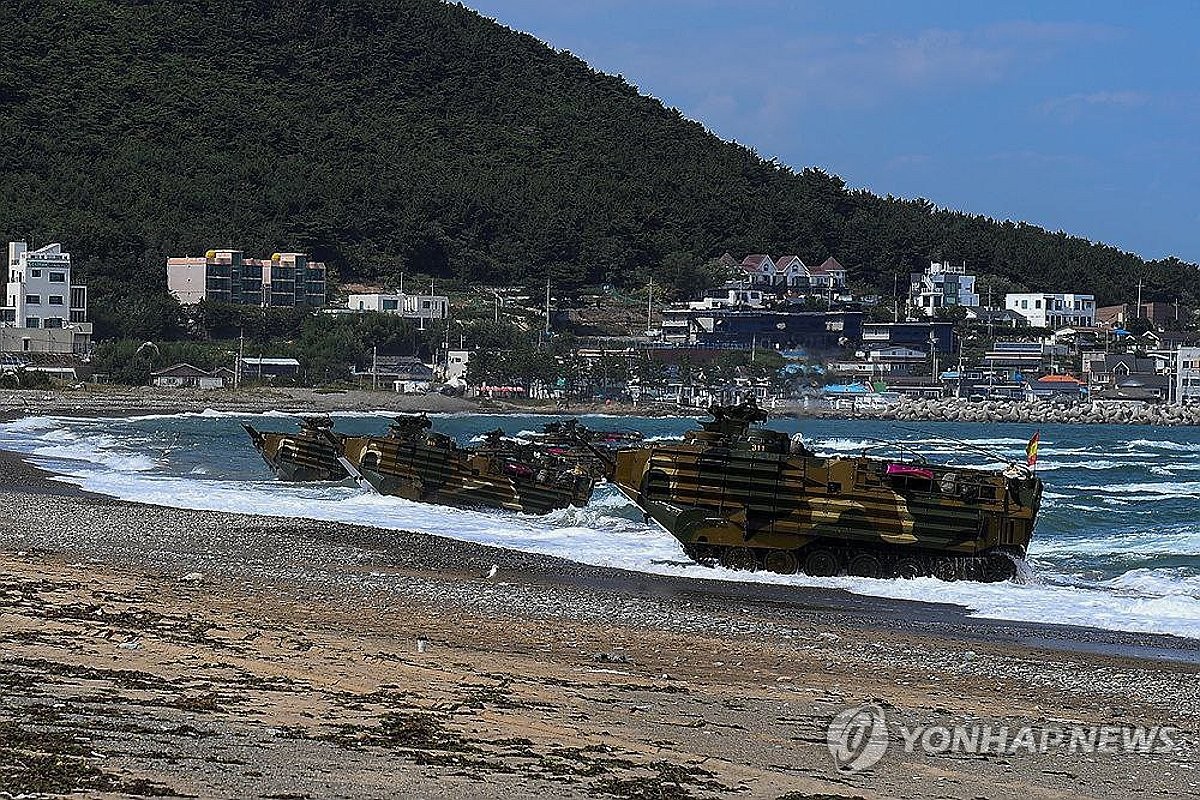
(579, 444)
(416, 464)
(749, 498)
(309, 455)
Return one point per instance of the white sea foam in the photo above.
(1095, 464)
(1167, 489)
(29, 424)
(1156, 444)
(1173, 540)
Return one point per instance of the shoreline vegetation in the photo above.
(115, 401)
(289, 657)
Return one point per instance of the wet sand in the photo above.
(157, 651)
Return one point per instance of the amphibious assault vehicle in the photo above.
(578, 444)
(749, 498)
(416, 464)
(309, 455)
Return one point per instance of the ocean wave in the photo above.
(1158, 444)
(1095, 465)
(1179, 539)
(1165, 489)
(30, 424)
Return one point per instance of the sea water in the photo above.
(1117, 543)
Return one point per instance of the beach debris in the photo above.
(422, 645)
(491, 573)
(130, 645)
(193, 577)
(612, 658)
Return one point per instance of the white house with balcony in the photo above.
(43, 311)
(409, 306)
(728, 297)
(942, 285)
(1049, 310)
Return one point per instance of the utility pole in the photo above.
(649, 304)
(991, 317)
(933, 355)
(375, 367)
(1139, 305)
(237, 373)
(547, 306)
(960, 366)
(896, 298)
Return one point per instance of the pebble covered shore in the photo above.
(149, 650)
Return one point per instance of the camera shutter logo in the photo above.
(857, 738)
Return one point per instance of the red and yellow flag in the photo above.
(1032, 448)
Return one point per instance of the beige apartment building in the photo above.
(227, 276)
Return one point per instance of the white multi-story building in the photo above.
(43, 311)
(728, 297)
(942, 285)
(1187, 375)
(1046, 310)
(227, 276)
(457, 362)
(410, 306)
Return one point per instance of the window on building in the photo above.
(58, 277)
(33, 322)
(33, 299)
(54, 322)
(35, 273)
(391, 305)
(56, 300)
(1037, 303)
(1024, 304)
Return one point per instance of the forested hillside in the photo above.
(385, 135)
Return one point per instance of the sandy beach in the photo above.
(152, 651)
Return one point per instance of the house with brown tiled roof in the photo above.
(759, 268)
(829, 275)
(791, 272)
(727, 260)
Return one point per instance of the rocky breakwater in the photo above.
(1098, 412)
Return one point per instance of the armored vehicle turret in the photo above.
(576, 443)
(747, 497)
(417, 464)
